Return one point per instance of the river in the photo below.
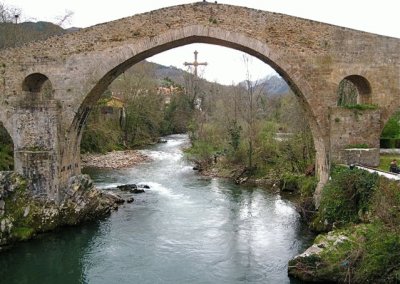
(184, 229)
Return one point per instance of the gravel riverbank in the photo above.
(114, 160)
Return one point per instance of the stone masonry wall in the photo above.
(36, 146)
(351, 127)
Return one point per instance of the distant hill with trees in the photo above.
(14, 35)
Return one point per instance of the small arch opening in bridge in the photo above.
(6, 150)
(354, 89)
(37, 87)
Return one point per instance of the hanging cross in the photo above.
(195, 63)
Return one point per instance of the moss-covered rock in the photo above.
(23, 215)
(326, 260)
(364, 253)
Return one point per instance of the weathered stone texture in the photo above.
(367, 157)
(350, 127)
(312, 57)
(23, 214)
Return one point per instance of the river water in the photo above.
(184, 229)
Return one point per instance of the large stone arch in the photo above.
(127, 55)
(313, 57)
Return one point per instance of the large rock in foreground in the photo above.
(22, 215)
(361, 253)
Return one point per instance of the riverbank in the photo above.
(24, 215)
(114, 160)
(358, 221)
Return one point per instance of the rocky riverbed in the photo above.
(114, 160)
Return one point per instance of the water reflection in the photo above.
(185, 229)
(54, 258)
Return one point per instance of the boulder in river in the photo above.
(127, 187)
(133, 188)
(143, 186)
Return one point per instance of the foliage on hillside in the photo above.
(245, 129)
(13, 33)
(147, 113)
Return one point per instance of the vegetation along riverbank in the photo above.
(358, 221)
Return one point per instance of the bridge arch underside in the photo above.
(129, 54)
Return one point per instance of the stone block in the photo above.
(367, 157)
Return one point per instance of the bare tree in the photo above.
(253, 91)
(65, 19)
(9, 14)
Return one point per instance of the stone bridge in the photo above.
(48, 88)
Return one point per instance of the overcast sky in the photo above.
(380, 17)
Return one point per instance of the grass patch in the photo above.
(384, 161)
(23, 233)
(357, 146)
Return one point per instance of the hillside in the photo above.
(272, 85)
(12, 35)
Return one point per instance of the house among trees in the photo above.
(112, 104)
(167, 92)
(112, 108)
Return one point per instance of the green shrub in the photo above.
(345, 198)
(307, 186)
(368, 253)
(100, 140)
(202, 153)
(357, 146)
(392, 127)
(6, 157)
(6, 150)
(289, 182)
(380, 258)
(385, 204)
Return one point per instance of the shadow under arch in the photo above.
(360, 85)
(238, 42)
(37, 87)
